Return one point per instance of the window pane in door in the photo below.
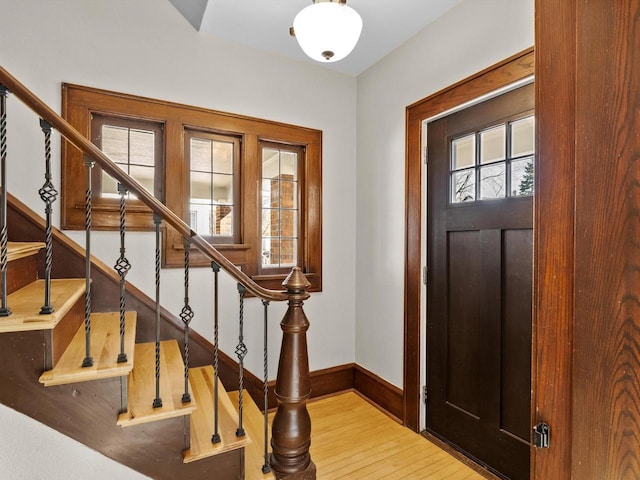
(493, 144)
(522, 137)
(463, 186)
(492, 181)
(463, 152)
(522, 177)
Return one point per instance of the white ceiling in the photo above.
(264, 24)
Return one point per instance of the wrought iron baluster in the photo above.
(266, 468)
(215, 438)
(241, 352)
(186, 315)
(88, 361)
(122, 266)
(5, 311)
(157, 402)
(48, 194)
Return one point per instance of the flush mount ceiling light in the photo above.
(327, 30)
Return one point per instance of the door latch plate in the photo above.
(541, 435)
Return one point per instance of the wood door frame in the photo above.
(500, 75)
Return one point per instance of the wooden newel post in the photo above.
(291, 428)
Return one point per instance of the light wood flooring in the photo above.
(351, 439)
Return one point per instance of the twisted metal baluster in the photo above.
(157, 402)
(88, 361)
(215, 438)
(186, 315)
(266, 468)
(48, 194)
(241, 352)
(5, 311)
(122, 266)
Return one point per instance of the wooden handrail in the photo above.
(81, 143)
(291, 434)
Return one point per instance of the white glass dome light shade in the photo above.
(327, 31)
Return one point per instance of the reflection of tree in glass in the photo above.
(526, 183)
(493, 184)
(465, 187)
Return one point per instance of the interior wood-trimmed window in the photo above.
(210, 170)
(213, 203)
(281, 206)
(136, 146)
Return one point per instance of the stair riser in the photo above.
(57, 340)
(21, 272)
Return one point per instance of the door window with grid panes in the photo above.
(496, 162)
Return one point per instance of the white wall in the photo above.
(145, 47)
(472, 36)
(31, 451)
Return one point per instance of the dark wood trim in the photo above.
(477, 467)
(497, 76)
(554, 224)
(330, 381)
(387, 396)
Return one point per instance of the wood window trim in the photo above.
(517, 67)
(113, 204)
(80, 102)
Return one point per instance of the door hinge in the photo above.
(541, 435)
(425, 273)
(425, 393)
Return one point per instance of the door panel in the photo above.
(463, 378)
(479, 290)
(516, 336)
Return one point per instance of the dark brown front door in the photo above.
(480, 253)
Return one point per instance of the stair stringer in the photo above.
(87, 412)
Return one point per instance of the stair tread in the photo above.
(142, 385)
(105, 347)
(16, 250)
(25, 305)
(253, 421)
(202, 420)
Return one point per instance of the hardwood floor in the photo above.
(351, 439)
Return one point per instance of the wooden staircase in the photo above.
(85, 409)
(64, 344)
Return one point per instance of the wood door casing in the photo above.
(492, 78)
(479, 304)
